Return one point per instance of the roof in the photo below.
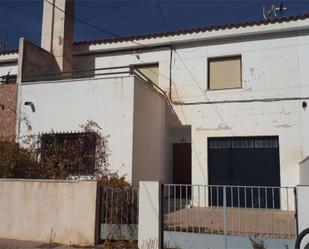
(7, 52)
(194, 30)
(182, 31)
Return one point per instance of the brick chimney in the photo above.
(57, 31)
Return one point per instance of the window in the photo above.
(150, 72)
(75, 150)
(224, 73)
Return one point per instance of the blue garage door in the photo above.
(245, 161)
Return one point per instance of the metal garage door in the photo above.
(244, 161)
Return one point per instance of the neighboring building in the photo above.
(234, 110)
(8, 94)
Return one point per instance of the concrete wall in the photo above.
(273, 66)
(270, 69)
(198, 241)
(8, 63)
(302, 209)
(58, 211)
(148, 135)
(35, 60)
(8, 100)
(304, 172)
(63, 106)
(150, 219)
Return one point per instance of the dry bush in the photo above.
(82, 155)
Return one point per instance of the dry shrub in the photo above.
(82, 155)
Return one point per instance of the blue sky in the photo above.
(23, 17)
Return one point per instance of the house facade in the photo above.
(212, 105)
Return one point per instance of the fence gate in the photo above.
(208, 216)
(118, 213)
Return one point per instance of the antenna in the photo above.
(281, 8)
(3, 44)
(270, 12)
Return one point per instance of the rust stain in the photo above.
(60, 40)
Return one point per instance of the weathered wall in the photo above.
(7, 111)
(57, 211)
(273, 66)
(270, 69)
(35, 60)
(63, 106)
(302, 210)
(304, 172)
(8, 67)
(57, 31)
(148, 135)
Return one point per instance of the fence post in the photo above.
(224, 216)
(302, 207)
(150, 219)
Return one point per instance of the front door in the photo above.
(182, 163)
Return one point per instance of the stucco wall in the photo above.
(8, 63)
(63, 106)
(273, 66)
(270, 69)
(57, 211)
(35, 60)
(7, 111)
(148, 135)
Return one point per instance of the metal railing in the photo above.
(119, 205)
(230, 210)
(8, 79)
(77, 74)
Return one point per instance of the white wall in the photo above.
(273, 66)
(149, 135)
(8, 63)
(63, 106)
(49, 211)
(270, 69)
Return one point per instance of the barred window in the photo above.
(75, 150)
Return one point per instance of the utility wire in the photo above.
(163, 18)
(91, 25)
(196, 83)
(142, 45)
(104, 31)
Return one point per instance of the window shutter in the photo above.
(224, 73)
(150, 71)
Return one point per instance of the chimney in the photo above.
(57, 31)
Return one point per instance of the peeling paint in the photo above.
(283, 126)
(220, 127)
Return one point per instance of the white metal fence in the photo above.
(230, 210)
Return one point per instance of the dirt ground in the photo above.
(16, 244)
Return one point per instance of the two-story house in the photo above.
(211, 105)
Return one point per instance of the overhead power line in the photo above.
(105, 31)
(92, 25)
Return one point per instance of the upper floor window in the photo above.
(149, 71)
(224, 72)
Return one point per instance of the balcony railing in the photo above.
(8, 79)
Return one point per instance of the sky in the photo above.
(23, 18)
